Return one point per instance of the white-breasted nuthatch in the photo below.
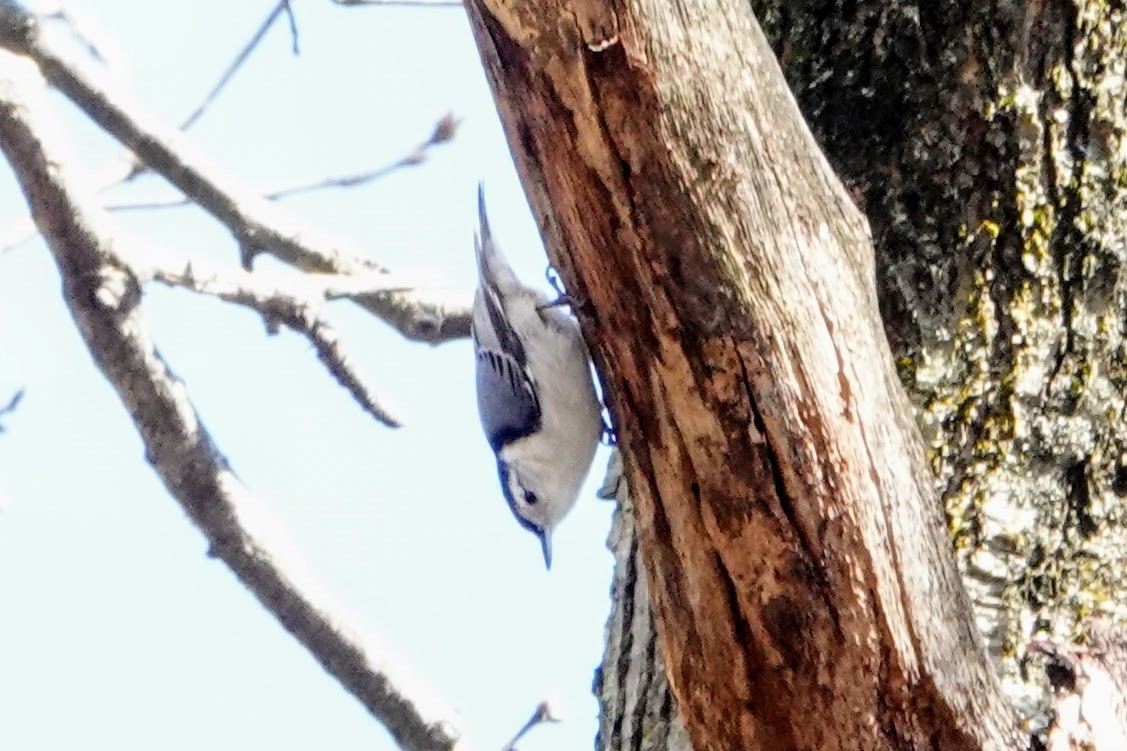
(534, 392)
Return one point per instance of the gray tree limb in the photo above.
(256, 224)
(104, 295)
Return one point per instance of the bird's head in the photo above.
(538, 498)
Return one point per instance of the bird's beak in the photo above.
(546, 546)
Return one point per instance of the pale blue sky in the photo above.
(116, 630)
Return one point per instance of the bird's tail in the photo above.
(492, 267)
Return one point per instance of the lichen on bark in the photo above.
(987, 144)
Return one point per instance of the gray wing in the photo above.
(506, 398)
(506, 393)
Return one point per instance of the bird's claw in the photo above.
(554, 280)
(562, 297)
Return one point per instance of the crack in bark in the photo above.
(1068, 204)
(812, 564)
(1079, 501)
(745, 637)
(650, 672)
(626, 597)
(768, 453)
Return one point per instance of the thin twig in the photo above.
(10, 407)
(257, 225)
(293, 28)
(298, 313)
(443, 132)
(104, 298)
(283, 6)
(293, 300)
(82, 28)
(23, 230)
(136, 169)
(225, 281)
(542, 713)
(325, 340)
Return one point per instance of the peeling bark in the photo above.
(987, 145)
(797, 565)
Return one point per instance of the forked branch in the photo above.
(256, 224)
(103, 295)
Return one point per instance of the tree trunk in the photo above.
(794, 553)
(986, 144)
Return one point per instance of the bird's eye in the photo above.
(530, 498)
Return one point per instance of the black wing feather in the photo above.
(506, 399)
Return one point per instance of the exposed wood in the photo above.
(798, 566)
(987, 143)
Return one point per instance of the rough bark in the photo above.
(796, 561)
(637, 711)
(987, 143)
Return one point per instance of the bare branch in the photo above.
(257, 225)
(83, 29)
(24, 229)
(133, 168)
(103, 296)
(542, 713)
(443, 132)
(292, 17)
(10, 407)
(283, 6)
(295, 305)
(327, 343)
(229, 282)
